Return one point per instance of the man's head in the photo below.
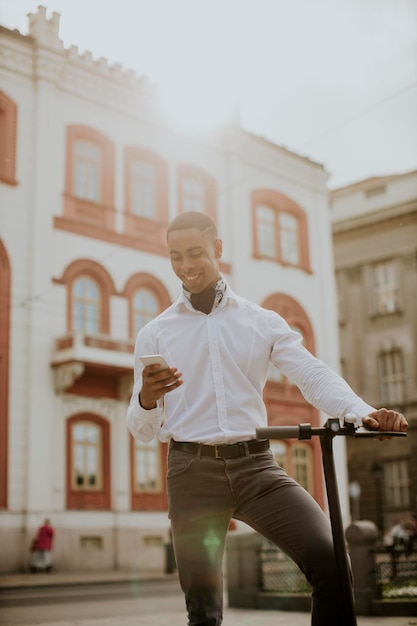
(195, 250)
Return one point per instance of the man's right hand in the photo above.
(156, 383)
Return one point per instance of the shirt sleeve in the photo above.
(319, 384)
(143, 424)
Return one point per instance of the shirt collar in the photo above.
(221, 288)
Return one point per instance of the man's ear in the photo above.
(218, 248)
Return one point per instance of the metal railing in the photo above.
(279, 573)
(396, 575)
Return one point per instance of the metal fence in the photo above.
(396, 575)
(280, 573)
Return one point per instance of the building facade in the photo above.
(374, 226)
(90, 175)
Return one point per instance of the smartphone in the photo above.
(151, 359)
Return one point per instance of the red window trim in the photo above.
(89, 500)
(8, 113)
(86, 267)
(142, 280)
(149, 501)
(281, 203)
(84, 212)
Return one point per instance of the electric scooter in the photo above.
(327, 432)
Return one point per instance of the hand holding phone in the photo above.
(152, 359)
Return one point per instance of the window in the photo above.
(90, 288)
(396, 481)
(147, 297)
(143, 181)
(89, 186)
(87, 166)
(86, 305)
(280, 450)
(88, 462)
(147, 467)
(197, 191)
(145, 308)
(385, 288)
(279, 229)
(297, 460)
(194, 193)
(8, 129)
(302, 465)
(289, 238)
(146, 200)
(265, 230)
(391, 377)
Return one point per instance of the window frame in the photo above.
(99, 214)
(146, 501)
(186, 172)
(143, 280)
(392, 384)
(89, 499)
(379, 292)
(396, 488)
(92, 269)
(280, 204)
(8, 121)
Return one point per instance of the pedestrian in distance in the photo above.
(207, 404)
(42, 548)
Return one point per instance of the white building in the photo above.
(90, 175)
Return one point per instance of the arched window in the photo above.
(88, 462)
(196, 191)
(279, 229)
(90, 288)
(85, 305)
(8, 130)
(147, 298)
(145, 307)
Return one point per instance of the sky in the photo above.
(333, 80)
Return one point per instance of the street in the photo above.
(51, 605)
(133, 603)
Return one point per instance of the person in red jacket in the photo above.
(42, 548)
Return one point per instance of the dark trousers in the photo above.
(204, 493)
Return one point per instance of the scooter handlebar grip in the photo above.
(278, 432)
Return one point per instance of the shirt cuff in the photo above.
(361, 409)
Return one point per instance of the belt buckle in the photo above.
(216, 452)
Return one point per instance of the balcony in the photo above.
(93, 365)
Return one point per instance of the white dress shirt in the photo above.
(224, 359)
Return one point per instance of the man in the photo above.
(208, 404)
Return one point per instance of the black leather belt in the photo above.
(230, 451)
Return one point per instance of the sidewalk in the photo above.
(166, 614)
